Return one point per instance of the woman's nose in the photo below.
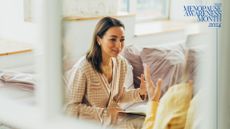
(118, 44)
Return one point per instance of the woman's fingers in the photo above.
(149, 83)
(147, 72)
(154, 92)
(190, 82)
(142, 79)
(158, 87)
(157, 94)
(143, 89)
(159, 82)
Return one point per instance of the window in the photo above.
(147, 9)
(124, 6)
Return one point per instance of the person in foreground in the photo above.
(171, 111)
(96, 85)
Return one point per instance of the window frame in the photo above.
(132, 8)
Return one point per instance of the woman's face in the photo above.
(112, 42)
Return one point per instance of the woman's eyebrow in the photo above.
(114, 36)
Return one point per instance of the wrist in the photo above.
(155, 99)
(142, 92)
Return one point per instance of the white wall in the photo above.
(12, 22)
(87, 8)
(14, 28)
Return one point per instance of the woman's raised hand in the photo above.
(154, 92)
(143, 89)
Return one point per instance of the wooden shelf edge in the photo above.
(79, 18)
(16, 52)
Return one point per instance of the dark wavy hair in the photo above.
(94, 54)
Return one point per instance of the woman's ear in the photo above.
(99, 40)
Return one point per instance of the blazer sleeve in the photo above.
(75, 96)
(130, 96)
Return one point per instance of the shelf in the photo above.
(80, 18)
(12, 48)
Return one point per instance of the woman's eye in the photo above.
(114, 40)
(122, 40)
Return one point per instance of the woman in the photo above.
(97, 84)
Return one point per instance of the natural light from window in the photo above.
(146, 9)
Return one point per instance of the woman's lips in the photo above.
(115, 51)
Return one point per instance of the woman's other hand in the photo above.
(114, 112)
(154, 92)
(143, 89)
